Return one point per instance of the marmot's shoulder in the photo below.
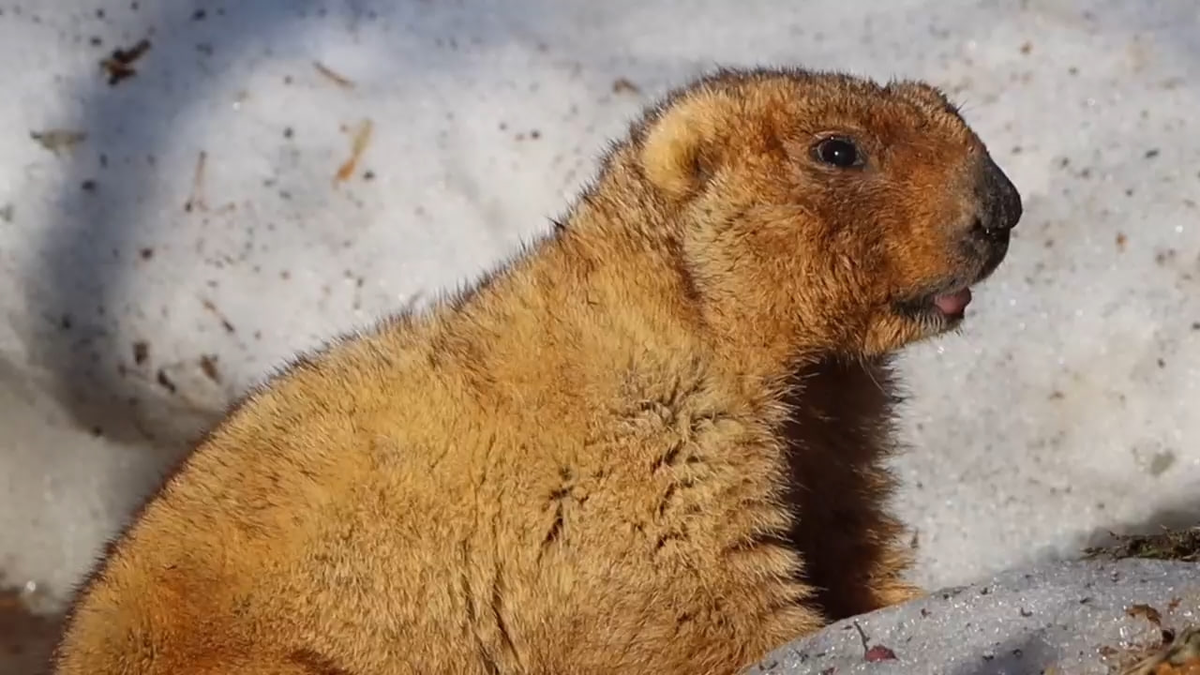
(584, 464)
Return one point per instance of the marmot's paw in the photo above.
(896, 593)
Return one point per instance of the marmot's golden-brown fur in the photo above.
(652, 443)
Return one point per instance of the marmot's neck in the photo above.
(622, 259)
(681, 251)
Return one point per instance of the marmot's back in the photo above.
(584, 465)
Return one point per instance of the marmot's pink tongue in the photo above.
(953, 304)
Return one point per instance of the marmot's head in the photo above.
(827, 204)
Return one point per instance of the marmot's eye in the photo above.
(839, 152)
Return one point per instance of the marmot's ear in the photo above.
(682, 148)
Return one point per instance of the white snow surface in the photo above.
(1070, 618)
(1066, 407)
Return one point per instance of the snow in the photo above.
(1077, 618)
(1065, 408)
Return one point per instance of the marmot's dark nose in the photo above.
(999, 202)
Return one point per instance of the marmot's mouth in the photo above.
(953, 305)
(942, 307)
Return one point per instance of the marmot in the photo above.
(650, 443)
